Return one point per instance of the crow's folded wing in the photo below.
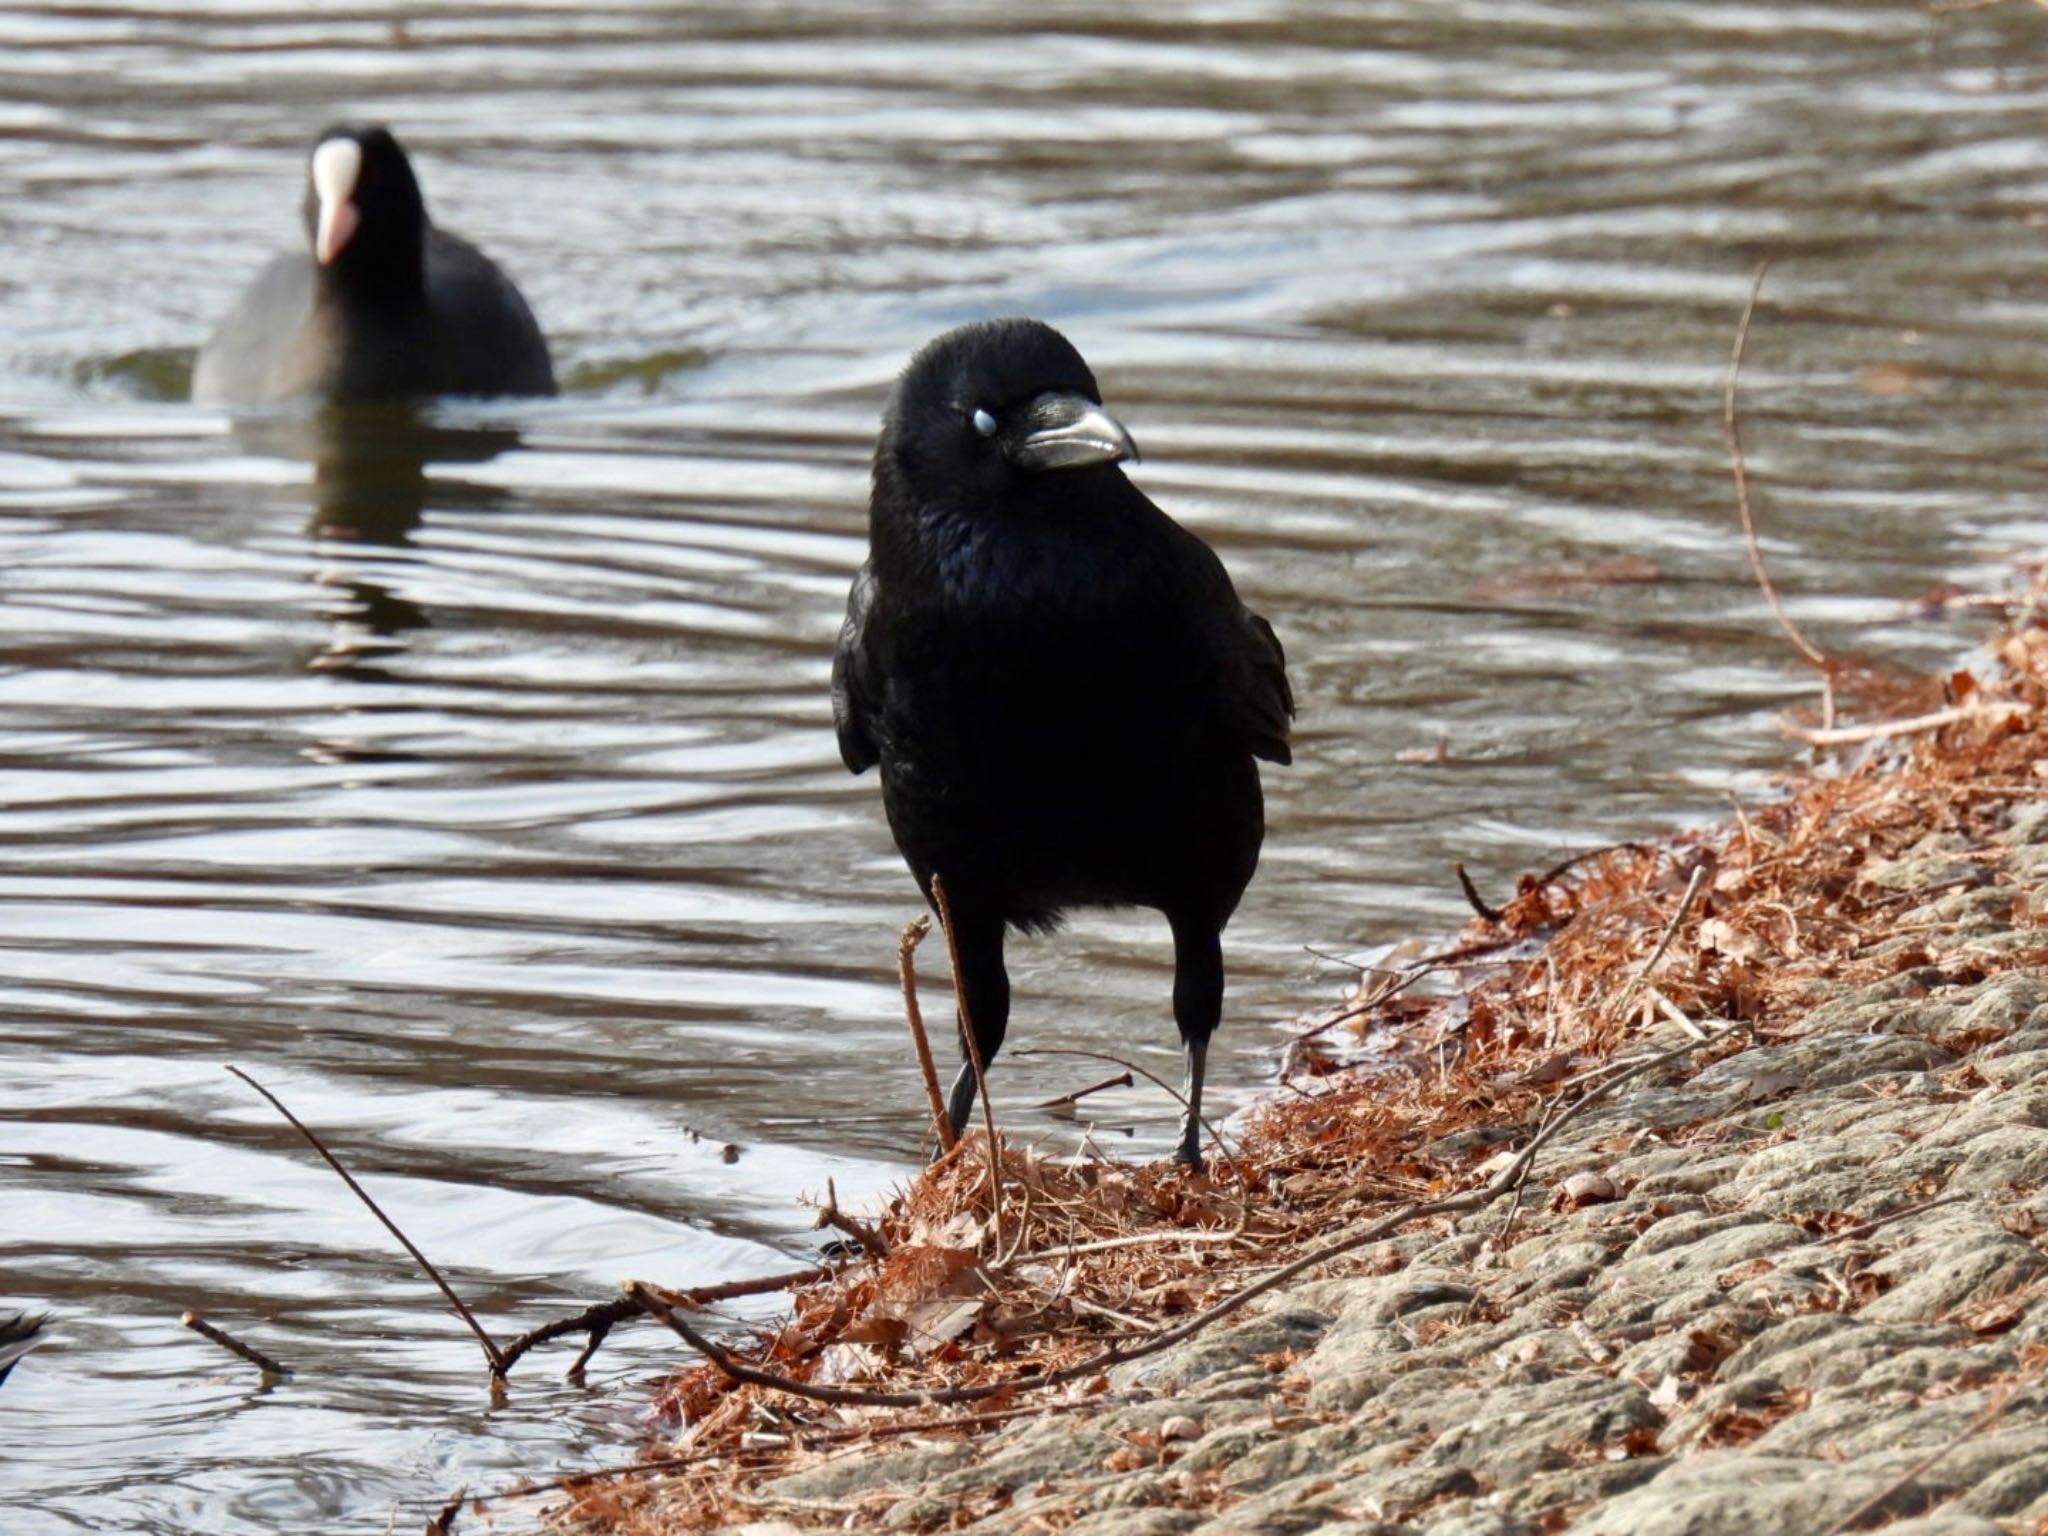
(854, 698)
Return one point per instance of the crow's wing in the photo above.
(853, 694)
(1249, 665)
(1260, 701)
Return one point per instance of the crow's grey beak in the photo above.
(1058, 431)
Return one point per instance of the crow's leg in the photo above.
(984, 996)
(1197, 1008)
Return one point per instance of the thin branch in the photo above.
(1472, 896)
(1731, 430)
(233, 1345)
(491, 1351)
(1692, 889)
(1151, 1077)
(829, 1215)
(972, 1047)
(1847, 735)
(1117, 1354)
(1116, 1080)
(914, 933)
(597, 1321)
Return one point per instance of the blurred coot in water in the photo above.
(383, 305)
(1065, 696)
(18, 1335)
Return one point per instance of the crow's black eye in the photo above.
(984, 423)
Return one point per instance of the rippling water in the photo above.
(483, 801)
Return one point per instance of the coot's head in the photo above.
(365, 218)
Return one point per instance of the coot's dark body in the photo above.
(398, 309)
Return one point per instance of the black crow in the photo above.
(1062, 689)
(383, 305)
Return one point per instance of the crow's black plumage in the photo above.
(382, 305)
(1062, 690)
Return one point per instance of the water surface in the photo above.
(483, 800)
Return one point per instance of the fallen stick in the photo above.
(491, 1351)
(1128, 1065)
(1474, 899)
(1848, 735)
(1731, 432)
(1692, 890)
(829, 1215)
(1119, 1080)
(600, 1319)
(234, 1346)
(914, 933)
(1472, 1200)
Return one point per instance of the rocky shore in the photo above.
(1789, 1277)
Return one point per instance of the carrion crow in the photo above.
(1064, 694)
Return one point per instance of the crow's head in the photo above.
(365, 218)
(991, 404)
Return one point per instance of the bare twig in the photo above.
(829, 1215)
(973, 1048)
(1117, 1354)
(914, 933)
(491, 1351)
(233, 1345)
(1472, 896)
(1117, 1080)
(597, 1321)
(1675, 1014)
(600, 1319)
(1692, 890)
(1731, 430)
(1151, 1077)
(1846, 735)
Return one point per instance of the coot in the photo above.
(383, 305)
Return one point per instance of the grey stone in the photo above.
(2010, 1489)
(1135, 1522)
(2002, 1158)
(2014, 1069)
(1723, 1493)
(1223, 1349)
(1578, 1485)
(1044, 1451)
(1946, 1523)
(918, 1512)
(1512, 1433)
(1306, 1453)
(1928, 867)
(1479, 1522)
(1938, 1282)
(2027, 824)
(1829, 1349)
(863, 1474)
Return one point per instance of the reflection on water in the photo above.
(468, 777)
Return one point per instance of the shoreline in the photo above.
(1709, 1201)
